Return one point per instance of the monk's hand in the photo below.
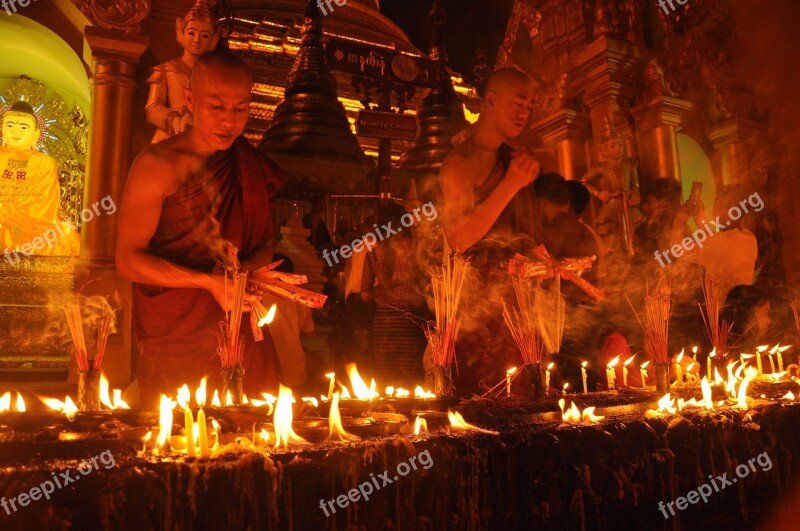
(522, 170)
(224, 297)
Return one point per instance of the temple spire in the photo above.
(441, 114)
(310, 121)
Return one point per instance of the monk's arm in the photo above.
(464, 222)
(139, 215)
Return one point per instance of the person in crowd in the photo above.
(395, 283)
(747, 309)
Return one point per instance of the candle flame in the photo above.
(165, 420)
(215, 399)
(402, 393)
(784, 348)
(762, 348)
(584, 364)
(420, 425)
(749, 374)
(679, 357)
(666, 404)
(184, 396)
(105, 399)
(20, 403)
(336, 431)
(67, 407)
(788, 396)
(457, 423)
(119, 403)
(360, 388)
(644, 365)
(573, 415)
(629, 360)
(228, 398)
(550, 366)
(284, 434)
(264, 435)
(511, 371)
(310, 399)
(200, 393)
(5, 401)
(267, 319)
(614, 362)
(389, 391)
(708, 403)
(420, 393)
(713, 352)
(717, 378)
(345, 393)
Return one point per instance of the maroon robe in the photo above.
(176, 329)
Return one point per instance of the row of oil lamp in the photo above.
(682, 376)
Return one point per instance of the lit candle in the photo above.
(564, 389)
(611, 373)
(509, 372)
(583, 375)
(694, 353)
(689, 376)
(184, 397)
(678, 370)
(780, 357)
(547, 379)
(625, 371)
(203, 438)
(771, 361)
(760, 349)
(644, 373)
(708, 363)
(332, 376)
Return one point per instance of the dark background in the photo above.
(469, 25)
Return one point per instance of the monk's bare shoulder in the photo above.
(458, 167)
(163, 166)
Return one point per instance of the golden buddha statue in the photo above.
(614, 182)
(197, 33)
(29, 189)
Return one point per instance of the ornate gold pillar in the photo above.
(658, 122)
(113, 56)
(604, 73)
(568, 130)
(731, 140)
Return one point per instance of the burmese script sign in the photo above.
(355, 58)
(386, 125)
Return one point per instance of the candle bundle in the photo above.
(285, 286)
(717, 331)
(231, 344)
(447, 284)
(521, 321)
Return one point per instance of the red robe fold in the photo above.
(176, 329)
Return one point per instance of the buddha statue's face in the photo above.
(198, 36)
(20, 131)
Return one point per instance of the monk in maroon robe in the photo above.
(187, 200)
(489, 216)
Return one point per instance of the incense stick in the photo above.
(75, 323)
(447, 283)
(717, 331)
(522, 322)
(550, 310)
(231, 344)
(655, 323)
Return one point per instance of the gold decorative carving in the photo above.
(122, 15)
(523, 15)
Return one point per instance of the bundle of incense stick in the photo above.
(75, 322)
(795, 304)
(521, 321)
(103, 329)
(231, 344)
(655, 323)
(550, 311)
(447, 283)
(284, 285)
(717, 331)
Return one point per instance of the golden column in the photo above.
(568, 130)
(113, 56)
(731, 140)
(658, 122)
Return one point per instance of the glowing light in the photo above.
(421, 393)
(420, 425)
(20, 403)
(5, 401)
(267, 319)
(749, 374)
(284, 434)
(164, 420)
(105, 399)
(458, 423)
(336, 431)
(360, 388)
(708, 403)
(200, 393)
(215, 399)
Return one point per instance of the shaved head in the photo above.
(220, 64)
(505, 79)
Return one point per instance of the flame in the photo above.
(267, 319)
(628, 360)
(511, 371)
(104, 398)
(215, 399)
(458, 423)
(762, 348)
(119, 403)
(336, 430)
(228, 398)
(323, 398)
(788, 396)
(717, 378)
(20, 403)
(5, 401)
(264, 435)
(550, 366)
(644, 365)
(666, 404)
(749, 374)
(67, 407)
(614, 362)
(679, 357)
(310, 399)
(284, 434)
(165, 420)
(588, 416)
(360, 388)
(694, 352)
(217, 429)
(200, 393)
(689, 368)
(389, 391)
(420, 425)
(706, 387)
(784, 348)
(777, 375)
(184, 396)
(731, 383)
(421, 393)
(345, 393)
(372, 392)
(573, 415)
(245, 401)
(402, 393)
(774, 349)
